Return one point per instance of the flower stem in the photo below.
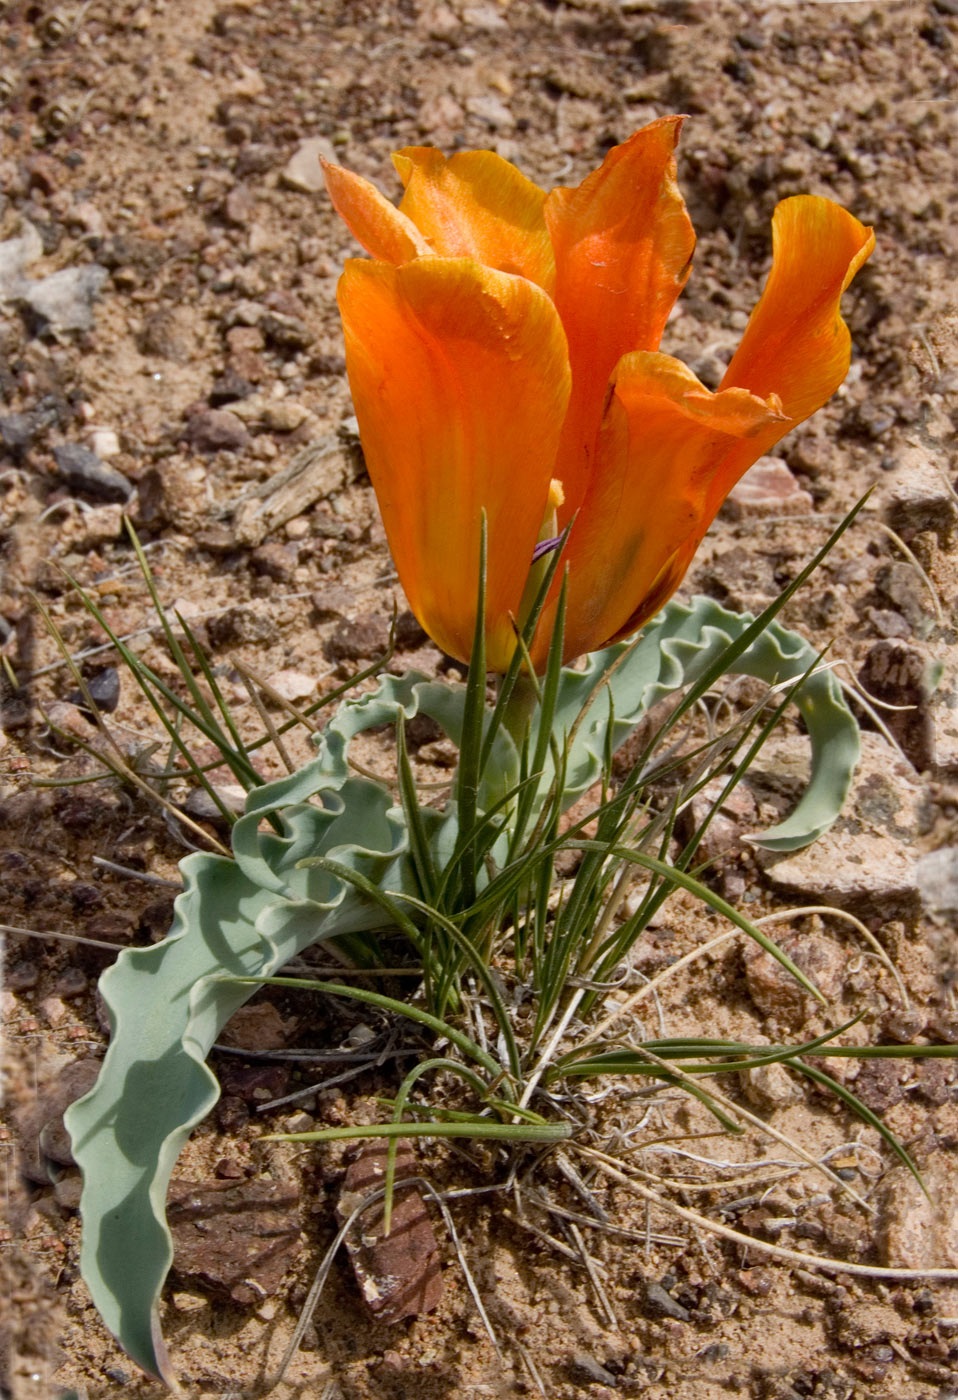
(520, 707)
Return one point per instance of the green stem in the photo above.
(521, 706)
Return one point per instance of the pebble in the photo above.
(303, 170)
(332, 601)
(901, 585)
(103, 689)
(67, 1188)
(40, 1123)
(202, 806)
(238, 1238)
(898, 674)
(216, 430)
(358, 640)
(916, 1232)
(276, 561)
(22, 976)
(63, 301)
(866, 862)
(228, 388)
(292, 685)
(767, 488)
(72, 982)
(241, 624)
(258, 1027)
(492, 110)
(105, 442)
(916, 495)
(164, 334)
(84, 472)
(239, 205)
(279, 415)
(18, 430)
(285, 331)
(399, 1274)
(937, 877)
(775, 991)
(771, 1086)
(585, 1370)
(659, 1304)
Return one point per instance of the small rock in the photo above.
(258, 1027)
(442, 753)
(286, 332)
(325, 364)
(771, 1086)
(880, 1084)
(492, 110)
(84, 472)
(18, 431)
(63, 301)
(255, 1084)
(232, 1115)
(901, 585)
(67, 1187)
(915, 1232)
(239, 206)
(202, 807)
(399, 1274)
(292, 685)
(303, 170)
(103, 689)
(237, 1238)
(229, 388)
(917, 497)
(104, 442)
(937, 877)
(91, 528)
(279, 415)
(775, 991)
(409, 633)
(22, 976)
(358, 640)
(216, 430)
(768, 488)
(15, 255)
(276, 561)
(485, 17)
(41, 1121)
(897, 674)
(333, 601)
(585, 1370)
(54, 1011)
(659, 1303)
(164, 334)
(72, 982)
(241, 625)
(865, 862)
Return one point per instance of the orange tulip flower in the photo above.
(502, 350)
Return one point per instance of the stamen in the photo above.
(545, 547)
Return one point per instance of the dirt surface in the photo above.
(194, 348)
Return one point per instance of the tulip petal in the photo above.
(477, 205)
(460, 380)
(663, 439)
(623, 246)
(379, 226)
(796, 344)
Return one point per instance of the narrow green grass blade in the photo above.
(471, 745)
(397, 1008)
(477, 1128)
(714, 901)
